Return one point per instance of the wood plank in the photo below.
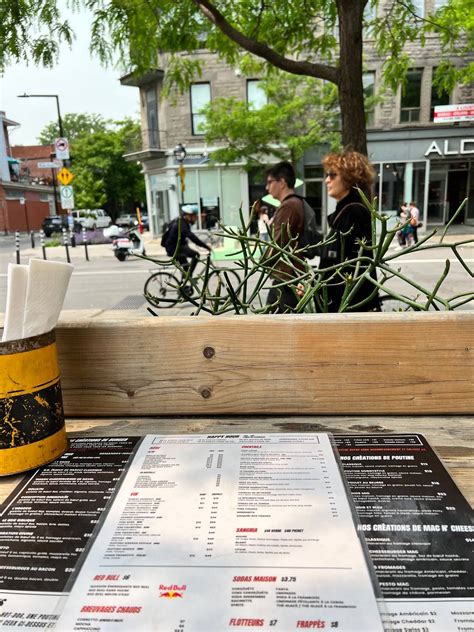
(418, 363)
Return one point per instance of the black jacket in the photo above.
(184, 228)
(353, 218)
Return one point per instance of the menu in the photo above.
(419, 531)
(222, 532)
(46, 523)
(417, 525)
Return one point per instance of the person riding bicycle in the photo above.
(178, 234)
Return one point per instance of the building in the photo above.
(26, 192)
(415, 158)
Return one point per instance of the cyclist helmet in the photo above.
(190, 209)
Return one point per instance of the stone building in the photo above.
(415, 158)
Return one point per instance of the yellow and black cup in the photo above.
(32, 430)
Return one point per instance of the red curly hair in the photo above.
(353, 167)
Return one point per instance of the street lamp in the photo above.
(61, 134)
(47, 96)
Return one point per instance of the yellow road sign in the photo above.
(65, 176)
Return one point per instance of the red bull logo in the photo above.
(174, 591)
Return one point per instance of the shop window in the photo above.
(411, 96)
(438, 98)
(402, 183)
(152, 118)
(368, 83)
(200, 97)
(256, 97)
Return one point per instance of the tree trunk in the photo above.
(351, 94)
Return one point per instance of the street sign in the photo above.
(65, 176)
(67, 196)
(61, 146)
(49, 165)
(454, 113)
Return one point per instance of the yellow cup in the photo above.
(32, 429)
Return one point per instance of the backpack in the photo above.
(311, 237)
(166, 233)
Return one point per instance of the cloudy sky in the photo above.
(81, 83)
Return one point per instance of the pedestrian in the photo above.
(288, 224)
(351, 229)
(264, 222)
(414, 213)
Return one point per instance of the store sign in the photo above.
(454, 113)
(446, 147)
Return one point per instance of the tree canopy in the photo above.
(102, 177)
(299, 114)
(314, 38)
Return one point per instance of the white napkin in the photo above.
(17, 281)
(47, 285)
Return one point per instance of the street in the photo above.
(105, 283)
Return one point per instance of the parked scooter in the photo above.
(128, 243)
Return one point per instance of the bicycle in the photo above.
(209, 284)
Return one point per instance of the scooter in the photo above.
(128, 243)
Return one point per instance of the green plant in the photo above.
(374, 263)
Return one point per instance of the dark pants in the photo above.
(182, 256)
(285, 296)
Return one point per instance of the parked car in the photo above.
(92, 218)
(126, 220)
(56, 223)
(145, 222)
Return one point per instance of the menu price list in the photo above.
(223, 532)
(418, 528)
(46, 523)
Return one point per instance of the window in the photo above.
(256, 97)
(368, 83)
(200, 97)
(370, 13)
(439, 3)
(438, 98)
(410, 99)
(152, 118)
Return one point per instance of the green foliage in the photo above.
(75, 126)
(257, 271)
(300, 113)
(102, 177)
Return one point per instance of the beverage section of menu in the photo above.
(226, 532)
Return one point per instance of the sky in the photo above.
(81, 83)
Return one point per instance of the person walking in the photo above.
(350, 226)
(288, 224)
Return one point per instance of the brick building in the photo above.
(26, 192)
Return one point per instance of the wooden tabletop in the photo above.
(452, 437)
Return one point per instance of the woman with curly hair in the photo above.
(350, 226)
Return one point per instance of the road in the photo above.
(105, 283)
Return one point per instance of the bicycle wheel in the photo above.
(162, 290)
(221, 283)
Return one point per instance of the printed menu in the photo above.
(223, 532)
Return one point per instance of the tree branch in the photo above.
(320, 71)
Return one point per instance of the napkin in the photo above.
(17, 281)
(45, 293)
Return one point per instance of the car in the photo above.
(145, 222)
(92, 218)
(126, 220)
(56, 223)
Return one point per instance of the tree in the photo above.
(102, 177)
(298, 37)
(300, 113)
(74, 126)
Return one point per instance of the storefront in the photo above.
(433, 168)
(218, 191)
